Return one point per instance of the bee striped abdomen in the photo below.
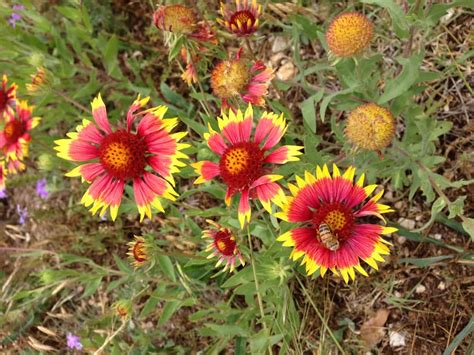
(327, 237)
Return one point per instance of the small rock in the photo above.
(398, 205)
(407, 223)
(287, 71)
(397, 294)
(396, 339)
(442, 286)
(276, 59)
(280, 44)
(401, 240)
(420, 289)
(436, 236)
(418, 218)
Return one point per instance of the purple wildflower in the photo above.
(14, 16)
(3, 193)
(41, 189)
(18, 7)
(73, 341)
(22, 214)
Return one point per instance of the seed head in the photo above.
(370, 127)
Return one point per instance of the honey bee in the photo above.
(327, 237)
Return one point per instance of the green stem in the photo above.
(257, 287)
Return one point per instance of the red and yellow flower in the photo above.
(239, 77)
(340, 205)
(146, 157)
(7, 97)
(245, 162)
(15, 136)
(243, 19)
(349, 34)
(223, 245)
(138, 251)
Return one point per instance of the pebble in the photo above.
(420, 289)
(401, 240)
(280, 44)
(406, 223)
(287, 71)
(442, 286)
(397, 294)
(436, 236)
(396, 339)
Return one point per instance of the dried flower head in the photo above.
(370, 126)
(239, 77)
(38, 81)
(175, 18)
(348, 34)
(123, 309)
(243, 19)
(223, 245)
(332, 233)
(138, 251)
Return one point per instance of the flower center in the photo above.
(229, 78)
(243, 20)
(225, 243)
(138, 252)
(338, 217)
(241, 164)
(179, 19)
(123, 155)
(14, 130)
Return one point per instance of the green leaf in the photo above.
(399, 19)
(240, 345)
(468, 225)
(123, 266)
(405, 80)
(227, 330)
(110, 56)
(329, 98)
(168, 310)
(456, 208)
(167, 266)
(91, 287)
(424, 262)
(468, 329)
(308, 110)
(243, 276)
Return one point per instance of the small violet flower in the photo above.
(22, 214)
(14, 16)
(73, 341)
(41, 189)
(3, 193)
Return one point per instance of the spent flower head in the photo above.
(139, 251)
(175, 18)
(239, 77)
(123, 308)
(370, 127)
(348, 34)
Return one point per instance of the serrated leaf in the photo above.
(404, 80)
(456, 208)
(399, 19)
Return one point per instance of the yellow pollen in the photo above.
(335, 220)
(221, 245)
(117, 155)
(236, 160)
